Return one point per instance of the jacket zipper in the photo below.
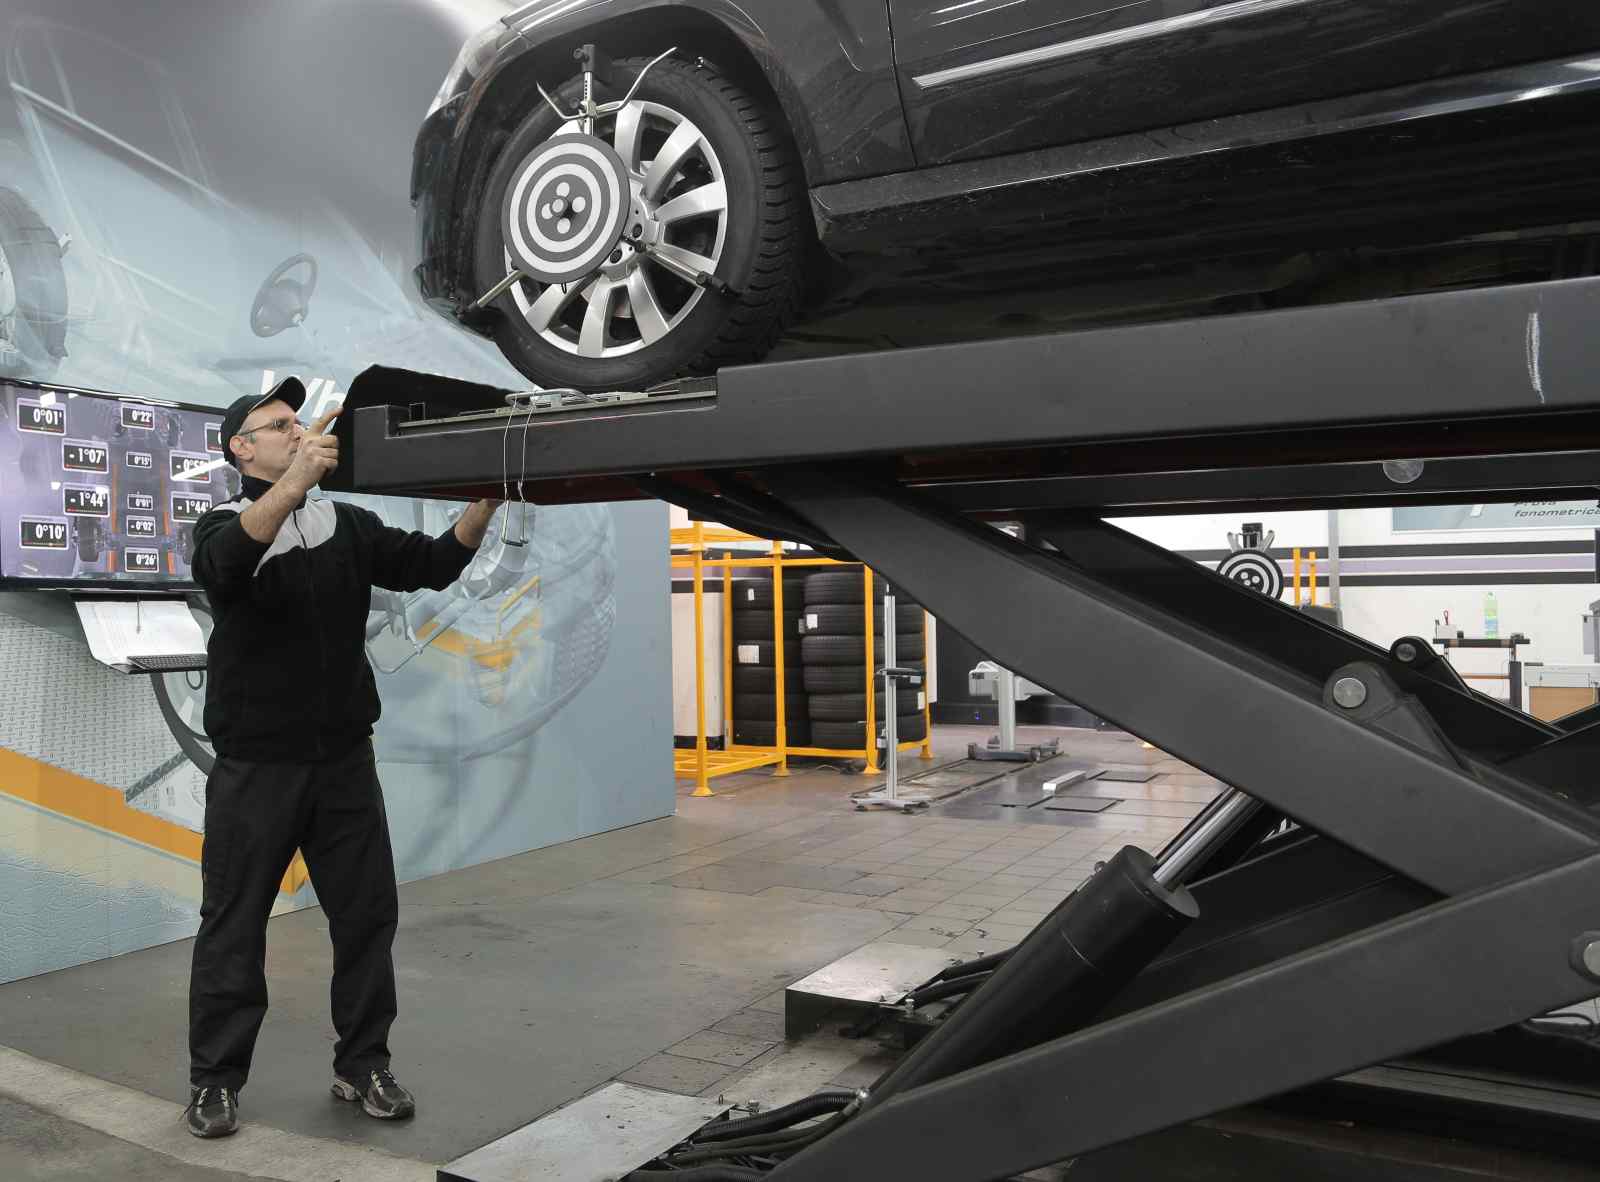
(322, 640)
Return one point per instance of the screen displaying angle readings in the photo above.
(43, 533)
(79, 501)
(189, 506)
(78, 456)
(139, 418)
(102, 490)
(40, 418)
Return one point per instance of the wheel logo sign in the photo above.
(1254, 570)
(565, 208)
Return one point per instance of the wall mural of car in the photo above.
(860, 173)
(133, 257)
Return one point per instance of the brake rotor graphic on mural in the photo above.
(565, 208)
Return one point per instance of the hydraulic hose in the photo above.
(750, 1146)
(969, 968)
(777, 1118)
(948, 988)
(772, 1142)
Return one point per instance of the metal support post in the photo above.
(890, 675)
(1006, 708)
(780, 672)
(867, 582)
(702, 781)
(1002, 747)
(891, 713)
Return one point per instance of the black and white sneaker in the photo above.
(380, 1094)
(212, 1112)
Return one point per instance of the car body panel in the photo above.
(879, 213)
(830, 62)
(985, 78)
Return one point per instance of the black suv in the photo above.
(870, 173)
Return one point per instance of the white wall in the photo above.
(1549, 614)
(684, 711)
(1209, 531)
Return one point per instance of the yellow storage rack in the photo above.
(701, 763)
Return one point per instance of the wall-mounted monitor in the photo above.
(101, 491)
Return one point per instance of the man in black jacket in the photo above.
(290, 704)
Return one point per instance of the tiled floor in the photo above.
(967, 886)
(656, 954)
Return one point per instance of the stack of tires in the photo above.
(755, 680)
(834, 661)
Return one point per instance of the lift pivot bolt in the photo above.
(1586, 955)
(1406, 652)
(1349, 692)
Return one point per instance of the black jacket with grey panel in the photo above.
(287, 673)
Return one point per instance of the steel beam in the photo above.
(1449, 480)
(1443, 374)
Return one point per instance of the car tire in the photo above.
(757, 733)
(843, 707)
(761, 257)
(758, 679)
(757, 625)
(853, 735)
(840, 620)
(844, 679)
(765, 706)
(846, 588)
(33, 291)
(852, 650)
(754, 594)
(762, 651)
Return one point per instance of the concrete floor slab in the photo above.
(508, 1008)
(38, 1146)
(59, 1123)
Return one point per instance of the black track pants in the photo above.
(257, 815)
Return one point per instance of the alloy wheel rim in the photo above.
(680, 208)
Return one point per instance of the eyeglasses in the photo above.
(281, 426)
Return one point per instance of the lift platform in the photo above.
(1403, 861)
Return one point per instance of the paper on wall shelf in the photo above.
(119, 628)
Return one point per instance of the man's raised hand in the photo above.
(318, 454)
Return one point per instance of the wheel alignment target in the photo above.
(1253, 569)
(566, 208)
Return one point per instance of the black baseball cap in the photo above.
(290, 390)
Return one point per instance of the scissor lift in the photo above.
(1441, 876)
